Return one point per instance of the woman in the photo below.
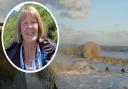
(31, 49)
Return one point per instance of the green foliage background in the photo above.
(10, 25)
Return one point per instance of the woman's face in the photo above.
(29, 28)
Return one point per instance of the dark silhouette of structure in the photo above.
(1, 24)
(123, 70)
(107, 69)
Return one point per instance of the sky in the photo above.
(102, 21)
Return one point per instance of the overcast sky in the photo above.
(102, 21)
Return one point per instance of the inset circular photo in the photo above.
(30, 37)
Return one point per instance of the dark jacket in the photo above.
(13, 52)
(46, 76)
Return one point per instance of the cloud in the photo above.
(71, 8)
(118, 38)
(66, 7)
(76, 4)
(69, 35)
(117, 25)
(74, 14)
(69, 4)
(6, 6)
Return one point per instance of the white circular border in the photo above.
(29, 2)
